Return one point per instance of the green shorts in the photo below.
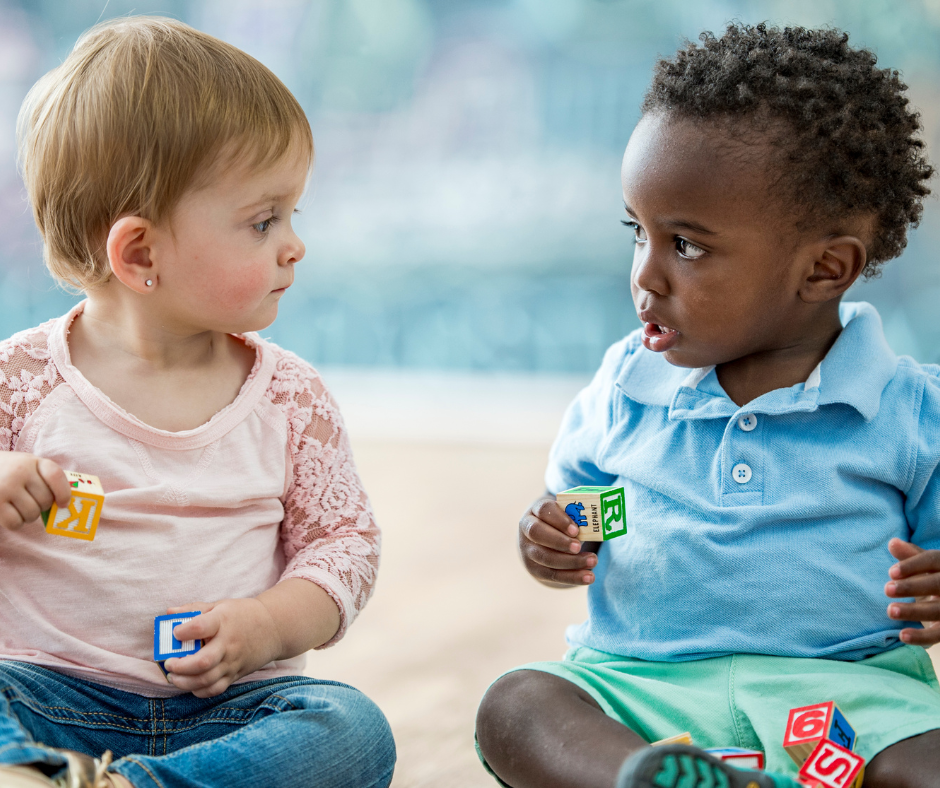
(744, 700)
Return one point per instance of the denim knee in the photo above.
(363, 738)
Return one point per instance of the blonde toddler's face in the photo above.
(227, 255)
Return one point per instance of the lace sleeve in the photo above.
(27, 375)
(329, 535)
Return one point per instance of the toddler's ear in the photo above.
(129, 242)
(838, 263)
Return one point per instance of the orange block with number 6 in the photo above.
(80, 519)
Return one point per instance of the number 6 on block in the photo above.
(808, 725)
(833, 766)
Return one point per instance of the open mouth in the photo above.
(659, 338)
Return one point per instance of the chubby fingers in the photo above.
(204, 673)
(202, 627)
(55, 482)
(23, 506)
(922, 610)
(916, 561)
(30, 486)
(549, 549)
(926, 637)
(901, 549)
(923, 584)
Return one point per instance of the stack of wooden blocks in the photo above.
(821, 742)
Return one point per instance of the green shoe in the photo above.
(682, 766)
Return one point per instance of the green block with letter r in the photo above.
(599, 512)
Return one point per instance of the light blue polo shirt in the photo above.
(761, 529)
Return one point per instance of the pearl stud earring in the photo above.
(149, 283)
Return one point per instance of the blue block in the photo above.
(165, 644)
(840, 731)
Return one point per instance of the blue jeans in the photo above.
(293, 732)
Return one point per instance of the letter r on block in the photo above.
(612, 513)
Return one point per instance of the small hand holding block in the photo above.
(833, 766)
(598, 512)
(80, 519)
(738, 757)
(809, 725)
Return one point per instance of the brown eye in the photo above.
(689, 250)
(639, 234)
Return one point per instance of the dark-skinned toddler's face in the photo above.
(717, 265)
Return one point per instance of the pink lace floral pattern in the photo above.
(329, 532)
(27, 376)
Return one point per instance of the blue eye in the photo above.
(263, 226)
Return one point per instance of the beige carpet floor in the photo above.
(453, 608)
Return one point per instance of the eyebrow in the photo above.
(679, 224)
(267, 199)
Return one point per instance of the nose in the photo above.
(293, 250)
(649, 273)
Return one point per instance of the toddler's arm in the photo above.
(549, 547)
(917, 573)
(330, 542)
(28, 486)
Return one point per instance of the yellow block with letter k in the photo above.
(80, 519)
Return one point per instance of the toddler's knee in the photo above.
(508, 710)
(365, 736)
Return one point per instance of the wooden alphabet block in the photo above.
(739, 757)
(679, 738)
(80, 519)
(808, 725)
(598, 512)
(165, 644)
(833, 766)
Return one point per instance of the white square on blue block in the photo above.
(165, 644)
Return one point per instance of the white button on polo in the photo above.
(747, 422)
(741, 473)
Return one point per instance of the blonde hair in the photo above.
(141, 111)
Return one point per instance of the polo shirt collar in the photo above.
(854, 372)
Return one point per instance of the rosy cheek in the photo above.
(246, 289)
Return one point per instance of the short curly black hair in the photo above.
(849, 141)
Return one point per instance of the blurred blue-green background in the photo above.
(464, 210)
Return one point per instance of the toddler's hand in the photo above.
(28, 486)
(550, 548)
(917, 574)
(238, 637)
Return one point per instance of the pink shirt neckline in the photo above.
(119, 420)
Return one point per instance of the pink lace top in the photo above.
(264, 491)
